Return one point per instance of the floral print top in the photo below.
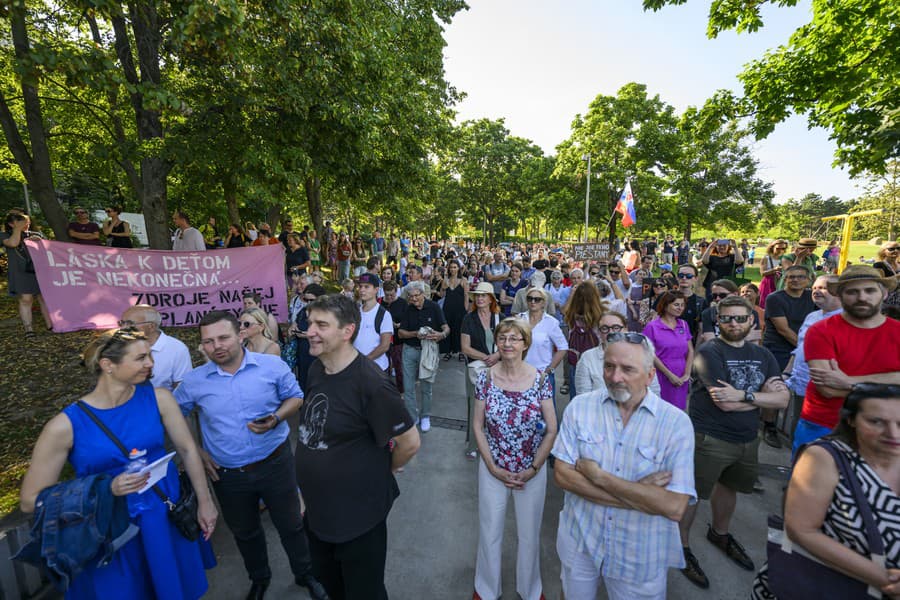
(511, 421)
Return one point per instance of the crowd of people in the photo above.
(641, 383)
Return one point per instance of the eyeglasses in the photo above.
(629, 336)
(534, 299)
(730, 318)
(125, 324)
(720, 296)
(795, 277)
(611, 328)
(509, 339)
(892, 249)
(247, 324)
(685, 276)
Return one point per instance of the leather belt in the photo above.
(259, 463)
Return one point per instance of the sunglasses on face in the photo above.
(534, 299)
(685, 276)
(247, 324)
(659, 285)
(730, 318)
(80, 212)
(615, 272)
(126, 324)
(720, 296)
(611, 328)
(892, 249)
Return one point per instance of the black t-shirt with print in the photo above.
(747, 369)
(343, 461)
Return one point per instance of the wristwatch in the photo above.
(749, 398)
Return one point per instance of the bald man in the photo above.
(171, 358)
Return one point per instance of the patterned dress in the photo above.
(843, 522)
(512, 421)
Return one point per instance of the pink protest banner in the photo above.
(89, 287)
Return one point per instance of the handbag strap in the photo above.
(873, 536)
(93, 416)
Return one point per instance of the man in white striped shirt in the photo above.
(626, 461)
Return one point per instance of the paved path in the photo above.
(433, 527)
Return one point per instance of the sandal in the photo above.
(30, 334)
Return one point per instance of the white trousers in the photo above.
(581, 577)
(529, 507)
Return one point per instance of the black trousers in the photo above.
(275, 483)
(352, 570)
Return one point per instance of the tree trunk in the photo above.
(687, 230)
(273, 215)
(34, 166)
(314, 201)
(229, 189)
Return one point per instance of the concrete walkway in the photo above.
(433, 527)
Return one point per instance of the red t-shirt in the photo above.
(857, 351)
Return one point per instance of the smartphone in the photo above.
(261, 420)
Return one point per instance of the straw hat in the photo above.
(483, 288)
(861, 273)
(807, 243)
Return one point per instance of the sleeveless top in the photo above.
(844, 523)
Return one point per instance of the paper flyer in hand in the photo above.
(157, 470)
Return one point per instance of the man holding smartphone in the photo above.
(243, 401)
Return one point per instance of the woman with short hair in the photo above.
(515, 426)
(671, 337)
(117, 231)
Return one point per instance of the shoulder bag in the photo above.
(182, 514)
(796, 574)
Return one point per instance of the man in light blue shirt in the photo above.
(626, 461)
(243, 401)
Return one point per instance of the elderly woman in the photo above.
(671, 337)
(159, 562)
(589, 372)
(477, 344)
(117, 231)
(255, 333)
(23, 282)
(819, 511)
(515, 426)
(548, 346)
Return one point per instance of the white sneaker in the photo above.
(425, 424)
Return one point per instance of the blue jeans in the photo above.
(410, 377)
(806, 432)
(239, 493)
(343, 270)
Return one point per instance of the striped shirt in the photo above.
(627, 544)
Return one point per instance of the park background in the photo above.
(346, 111)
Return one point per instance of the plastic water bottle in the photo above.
(540, 427)
(137, 460)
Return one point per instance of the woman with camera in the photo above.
(721, 259)
(159, 562)
(23, 283)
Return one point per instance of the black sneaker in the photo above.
(693, 571)
(770, 436)
(732, 549)
(315, 589)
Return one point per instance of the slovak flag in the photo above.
(625, 206)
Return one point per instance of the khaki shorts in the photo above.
(736, 466)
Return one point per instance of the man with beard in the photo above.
(625, 460)
(858, 345)
(345, 461)
(244, 400)
(732, 380)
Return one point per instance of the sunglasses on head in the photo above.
(730, 318)
(719, 296)
(628, 336)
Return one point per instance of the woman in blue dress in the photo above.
(159, 562)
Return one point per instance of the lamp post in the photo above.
(587, 194)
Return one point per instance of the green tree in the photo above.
(841, 69)
(629, 135)
(881, 191)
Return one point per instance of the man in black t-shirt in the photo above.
(354, 434)
(420, 313)
(731, 380)
(785, 311)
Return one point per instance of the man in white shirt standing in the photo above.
(171, 358)
(376, 325)
(187, 238)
